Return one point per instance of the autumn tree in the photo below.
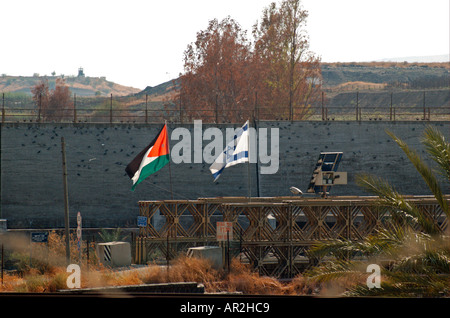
(53, 105)
(60, 103)
(226, 74)
(216, 73)
(41, 96)
(290, 73)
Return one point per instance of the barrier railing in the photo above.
(272, 234)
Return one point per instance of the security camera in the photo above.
(295, 190)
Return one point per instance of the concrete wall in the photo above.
(97, 154)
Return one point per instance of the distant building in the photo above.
(80, 72)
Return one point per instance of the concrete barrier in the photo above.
(114, 254)
(212, 253)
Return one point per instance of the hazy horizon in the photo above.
(141, 43)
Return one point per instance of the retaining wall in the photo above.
(97, 154)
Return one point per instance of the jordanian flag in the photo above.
(149, 160)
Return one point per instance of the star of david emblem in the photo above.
(229, 153)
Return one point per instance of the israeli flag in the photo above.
(235, 152)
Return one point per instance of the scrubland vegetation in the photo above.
(46, 272)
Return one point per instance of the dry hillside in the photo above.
(79, 85)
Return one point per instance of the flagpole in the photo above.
(258, 194)
(170, 167)
(66, 200)
(248, 165)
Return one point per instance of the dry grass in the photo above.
(240, 279)
(359, 86)
(47, 273)
(391, 64)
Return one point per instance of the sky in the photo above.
(140, 43)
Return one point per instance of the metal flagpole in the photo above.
(258, 194)
(248, 165)
(170, 167)
(66, 200)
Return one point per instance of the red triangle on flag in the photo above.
(161, 145)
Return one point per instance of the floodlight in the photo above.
(295, 190)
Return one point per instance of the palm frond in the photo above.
(429, 284)
(331, 271)
(401, 210)
(337, 248)
(386, 241)
(438, 149)
(111, 235)
(383, 242)
(342, 249)
(410, 246)
(428, 262)
(407, 286)
(425, 171)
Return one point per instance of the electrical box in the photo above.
(114, 254)
(326, 178)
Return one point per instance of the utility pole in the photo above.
(66, 200)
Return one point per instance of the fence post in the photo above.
(2, 263)
(390, 109)
(146, 108)
(110, 109)
(181, 111)
(424, 112)
(357, 107)
(74, 108)
(323, 114)
(256, 107)
(3, 108)
(39, 108)
(217, 112)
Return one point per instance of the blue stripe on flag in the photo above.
(229, 157)
(242, 154)
(217, 174)
(243, 128)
